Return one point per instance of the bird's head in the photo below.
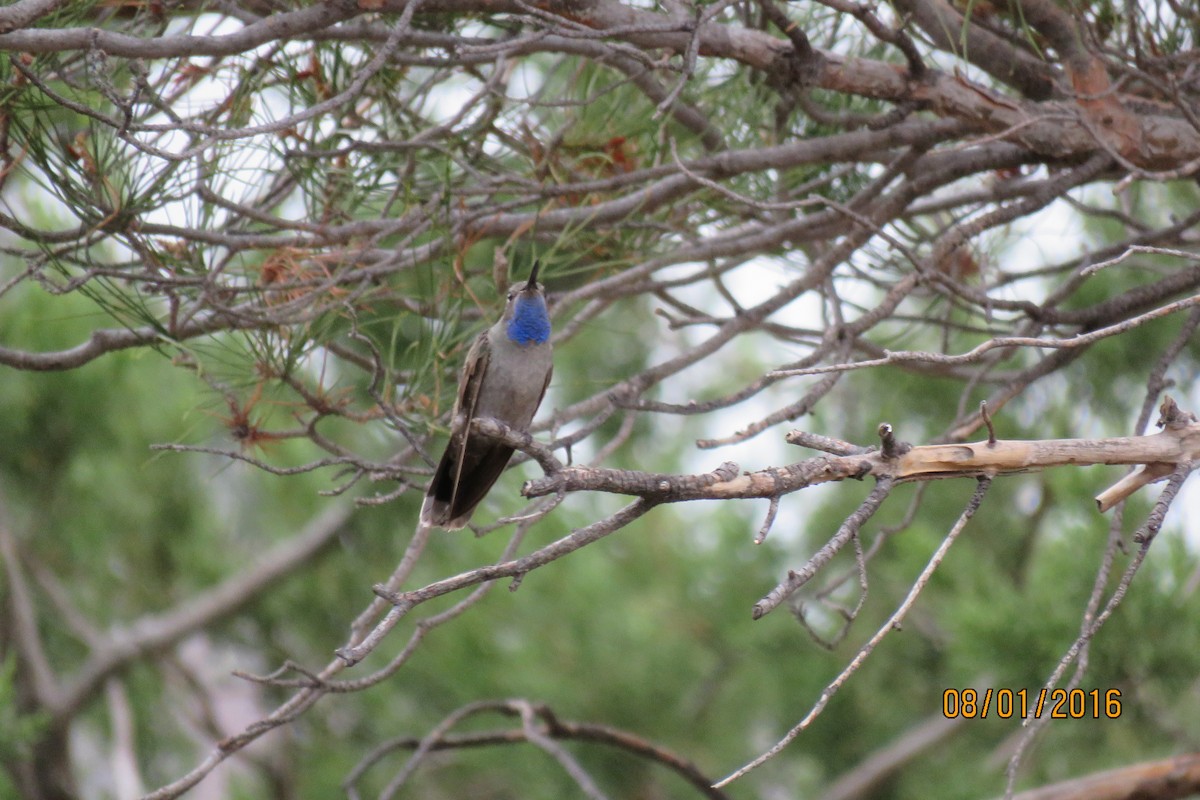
(526, 313)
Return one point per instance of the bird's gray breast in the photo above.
(513, 382)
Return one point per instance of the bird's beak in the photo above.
(532, 284)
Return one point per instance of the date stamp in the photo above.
(1023, 704)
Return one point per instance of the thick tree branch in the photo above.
(1172, 446)
(25, 12)
(1175, 777)
(950, 31)
(284, 25)
(110, 340)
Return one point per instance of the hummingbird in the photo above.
(505, 377)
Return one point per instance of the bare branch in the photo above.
(848, 530)
(156, 631)
(892, 623)
(24, 12)
(915, 463)
(43, 680)
(1177, 776)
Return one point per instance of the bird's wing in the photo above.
(545, 386)
(468, 397)
(487, 463)
(485, 466)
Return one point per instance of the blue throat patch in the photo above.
(530, 324)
